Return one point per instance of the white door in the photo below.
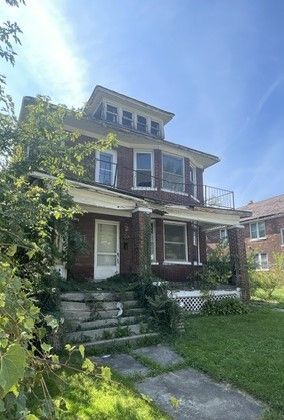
(106, 249)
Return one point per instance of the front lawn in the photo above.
(245, 350)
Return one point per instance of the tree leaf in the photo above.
(82, 350)
(12, 368)
(11, 251)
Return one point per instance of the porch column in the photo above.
(141, 231)
(236, 236)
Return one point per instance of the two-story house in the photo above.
(263, 230)
(146, 207)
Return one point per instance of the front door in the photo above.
(106, 249)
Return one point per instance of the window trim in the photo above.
(132, 118)
(184, 224)
(258, 254)
(282, 236)
(154, 259)
(117, 113)
(114, 166)
(258, 238)
(194, 179)
(135, 186)
(158, 129)
(183, 173)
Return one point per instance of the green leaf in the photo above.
(69, 348)
(31, 253)
(82, 350)
(11, 251)
(51, 321)
(88, 366)
(12, 368)
(46, 347)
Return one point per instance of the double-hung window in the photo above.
(173, 173)
(282, 236)
(155, 128)
(257, 230)
(127, 119)
(261, 261)
(141, 124)
(106, 168)
(111, 114)
(143, 165)
(175, 239)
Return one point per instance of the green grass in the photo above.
(245, 350)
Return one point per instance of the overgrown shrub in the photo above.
(226, 306)
(165, 312)
(218, 269)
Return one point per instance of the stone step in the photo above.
(87, 315)
(100, 323)
(97, 296)
(107, 333)
(96, 306)
(132, 340)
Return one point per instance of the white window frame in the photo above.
(196, 241)
(132, 119)
(185, 243)
(282, 236)
(117, 114)
(147, 124)
(257, 230)
(258, 255)
(135, 187)
(113, 166)
(194, 179)
(183, 171)
(153, 260)
(159, 128)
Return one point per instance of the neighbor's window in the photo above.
(153, 241)
(127, 119)
(257, 230)
(155, 128)
(143, 172)
(141, 124)
(175, 242)
(223, 235)
(261, 261)
(111, 114)
(173, 173)
(282, 236)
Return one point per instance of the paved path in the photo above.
(184, 393)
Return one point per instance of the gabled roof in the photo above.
(270, 207)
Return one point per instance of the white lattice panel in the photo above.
(194, 300)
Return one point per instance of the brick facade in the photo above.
(134, 254)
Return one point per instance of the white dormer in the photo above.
(115, 108)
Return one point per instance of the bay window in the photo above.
(175, 242)
(173, 173)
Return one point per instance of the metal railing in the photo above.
(141, 182)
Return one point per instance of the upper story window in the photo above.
(111, 114)
(143, 166)
(257, 230)
(173, 173)
(155, 128)
(192, 180)
(127, 119)
(261, 261)
(175, 239)
(141, 124)
(106, 168)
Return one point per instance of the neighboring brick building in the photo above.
(263, 230)
(146, 207)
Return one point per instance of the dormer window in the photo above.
(141, 124)
(155, 128)
(111, 114)
(127, 119)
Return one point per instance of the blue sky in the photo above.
(218, 65)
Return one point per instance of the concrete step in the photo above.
(97, 296)
(101, 323)
(87, 315)
(105, 333)
(67, 306)
(132, 340)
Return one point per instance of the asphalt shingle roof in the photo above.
(270, 207)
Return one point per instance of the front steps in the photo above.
(92, 319)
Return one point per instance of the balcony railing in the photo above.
(142, 182)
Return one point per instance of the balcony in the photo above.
(168, 190)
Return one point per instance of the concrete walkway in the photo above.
(183, 393)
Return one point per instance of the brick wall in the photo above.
(129, 229)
